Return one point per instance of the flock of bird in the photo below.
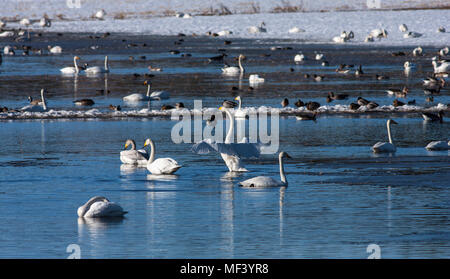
(232, 153)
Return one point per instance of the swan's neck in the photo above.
(240, 103)
(76, 65)
(240, 65)
(152, 152)
(389, 132)
(85, 208)
(148, 90)
(282, 175)
(106, 63)
(44, 104)
(229, 136)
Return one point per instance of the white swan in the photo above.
(379, 33)
(299, 57)
(100, 14)
(443, 68)
(133, 156)
(409, 66)
(97, 69)
(5, 34)
(295, 30)
(224, 33)
(444, 51)
(438, 145)
(138, 97)
(255, 79)
(231, 153)
(232, 70)
(160, 165)
(418, 51)
(45, 22)
(256, 29)
(319, 56)
(265, 181)
(403, 28)
(39, 107)
(72, 70)
(55, 49)
(239, 113)
(98, 207)
(386, 147)
(25, 22)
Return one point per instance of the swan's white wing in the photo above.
(163, 166)
(383, 147)
(204, 147)
(261, 181)
(134, 156)
(160, 95)
(105, 209)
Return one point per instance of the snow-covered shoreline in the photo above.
(319, 27)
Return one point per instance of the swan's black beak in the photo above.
(393, 122)
(288, 156)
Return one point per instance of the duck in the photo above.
(312, 106)
(397, 92)
(397, 103)
(372, 105)
(318, 78)
(337, 96)
(428, 116)
(100, 207)
(381, 77)
(306, 116)
(441, 29)
(299, 103)
(45, 22)
(84, 102)
(359, 71)
(403, 28)
(229, 104)
(354, 106)
(412, 35)
(285, 103)
(379, 33)
(361, 101)
(115, 108)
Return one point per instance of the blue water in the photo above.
(340, 198)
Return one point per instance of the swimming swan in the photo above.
(386, 147)
(160, 165)
(72, 70)
(232, 70)
(98, 207)
(138, 97)
(37, 106)
(97, 69)
(438, 145)
(231, 153)
(133, 156)
(239, 113)
(265, 181)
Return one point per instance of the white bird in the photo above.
(418, 51)
(256, 29)
(160, 165)
(138, 97)
(25, 22)
(55, 49)
(45, 22)
(299, 57)
(379, 33)
(412, 35)
(295, 30)
(444, 51)
(224, 33)
(231, 153)
(443, 68)
(255, 79)
(5, 34)
(319, 56)
(239, 113)
(37, 106)
(408, 66)
(403, 28)
(97, 69)
(232, 70)
(98, 207)
(438, 145)
(133, 156)
(2, 24)
(265, 181)
(386, 147)
(100, 14)
(72, 70)
(159, 95)
(8, 50)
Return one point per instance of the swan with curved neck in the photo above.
(100, 207)
(239, 113)
(160, 165)
(97, 69)
(234, 70)
(386, 147)
(230, 152)
(139, 97)
(36, 106)
(443, 68)
(133, 156)
(265, 181)
(72, 70)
